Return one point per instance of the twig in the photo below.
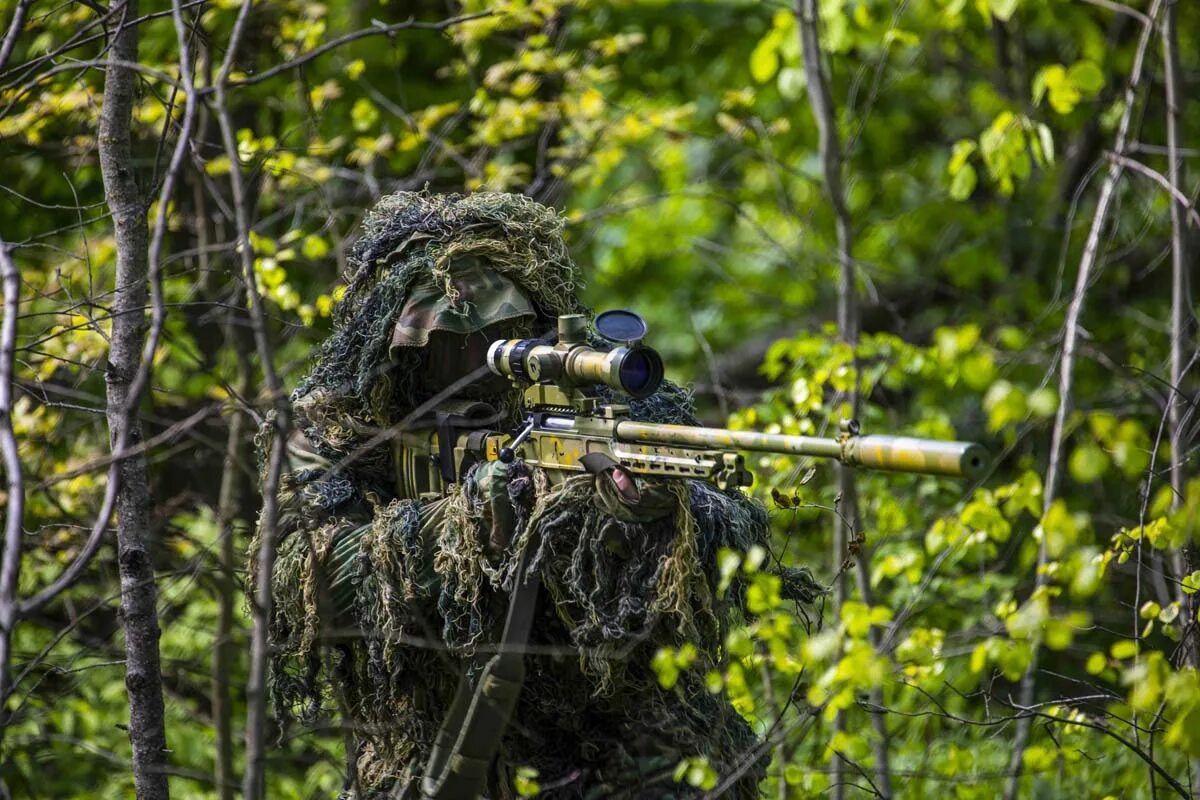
(182, 426)
(1181, 199)
(378, 30)
(14, 30)
(1120, 8)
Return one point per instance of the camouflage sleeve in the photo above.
(401, 538)
(314, 513)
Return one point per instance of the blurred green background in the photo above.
(678, 141)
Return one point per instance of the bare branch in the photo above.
(264, 560)
(848, 525)
(10, 38)
(223, 651)
(1187, 558)
(1087, 262)
(10, 558)
(1120, 8)
(1181, 199)
(378, 30)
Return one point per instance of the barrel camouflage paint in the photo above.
(894, 453)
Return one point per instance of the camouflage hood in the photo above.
(478, 297)
(428, 262)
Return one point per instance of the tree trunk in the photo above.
(139, 596)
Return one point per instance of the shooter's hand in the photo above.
(622, 494)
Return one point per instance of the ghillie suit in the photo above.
(386, 597)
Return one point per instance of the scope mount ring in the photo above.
(621, 326)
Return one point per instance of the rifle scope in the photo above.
(633, 369)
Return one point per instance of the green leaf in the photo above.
(792, 83)
(1045, 142)
(1058, 634)
(664, 667)
(963, 149)
(728, 562)
(314, 247)
(1191, 583)
(1043, 402)
(963, 183)
(1126, 648)
(1087, 77)
(1040, 86)
(979, 657)
(1088, 463)
(1055, 83)
(363, 115)
(978, 369)
(1029, 619)
(764, 60)
(525, 782)
(763, 594)
(1003, 9)
(1005, 404)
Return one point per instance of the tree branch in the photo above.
(1120, 8)
(849, 523)
(1182, 201)
(1087, 262)
(10, 557)
(264, 561)
(14, 30)
(378, 30)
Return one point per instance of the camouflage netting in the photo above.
(428, 597)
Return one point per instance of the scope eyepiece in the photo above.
(636, 371)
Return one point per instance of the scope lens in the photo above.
(640, 372)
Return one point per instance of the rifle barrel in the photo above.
(894, 453)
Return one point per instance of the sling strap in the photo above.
(470, 734)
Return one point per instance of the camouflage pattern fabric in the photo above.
(475, 298)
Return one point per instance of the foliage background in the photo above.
(678, 139)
